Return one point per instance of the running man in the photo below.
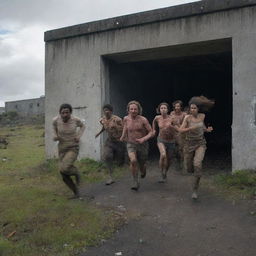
(165, 139)
(68, 131)
(113, 147)
(195, 143)
(137, 131)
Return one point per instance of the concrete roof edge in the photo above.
(12, 101)
(157, 15)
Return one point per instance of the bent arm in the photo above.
(149, 130)
(124, 133)
(184, 127)
(55, 131)
(154, 125)
(81, 130)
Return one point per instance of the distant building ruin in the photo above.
(28, 107)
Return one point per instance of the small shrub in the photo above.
(12, 115)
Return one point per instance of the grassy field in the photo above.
(35, 216)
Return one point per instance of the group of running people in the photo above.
(178, 131)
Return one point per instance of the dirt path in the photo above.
(163, 220)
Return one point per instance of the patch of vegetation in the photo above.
(12, 118)
(94, 171)
(36, 218)
(242, 182)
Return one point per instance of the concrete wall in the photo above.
(30, 107)
(76, 73)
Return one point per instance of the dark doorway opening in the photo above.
(154, 81)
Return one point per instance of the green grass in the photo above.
(34, 204)
(242, 183)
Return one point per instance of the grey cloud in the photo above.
(66, 12)
(21, 78)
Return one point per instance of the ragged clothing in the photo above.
(67, 132)
(113, 126)
(194, 138)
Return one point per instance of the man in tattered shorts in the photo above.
(113, 147)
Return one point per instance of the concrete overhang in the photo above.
(176, 51)
(158, 15)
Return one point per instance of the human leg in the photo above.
(108, 159)
(163, 161)
(119, 153)
(188, 160)
(142, 157)
(197, 162)
(67, 169)
(134, 169)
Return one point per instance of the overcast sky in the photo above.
(22, 27)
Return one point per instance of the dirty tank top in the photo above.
(196, 134)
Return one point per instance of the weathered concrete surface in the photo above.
(163, 220)
(77, 71)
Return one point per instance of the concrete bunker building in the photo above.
(202, 48)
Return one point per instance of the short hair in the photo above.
(66, 105)
(137, 104)
(108, 106)
(159, 106)
(177, 102)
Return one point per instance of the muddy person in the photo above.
(165, 138)
(136, 133)
(178, 116)
(68, 130)
(195, 144)
(113, 147)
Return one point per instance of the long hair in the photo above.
(137, 104)
(162, 103)
(204, 104)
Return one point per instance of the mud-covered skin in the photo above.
(137, 130)
(68, 131)
(113, 126)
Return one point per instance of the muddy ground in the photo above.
(162, 219)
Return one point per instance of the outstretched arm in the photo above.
(100, 132)
(102, 129)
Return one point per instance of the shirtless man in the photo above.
(178, 117)
(68, 131)
(113, 125)
(165, 139)
(136, 132)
